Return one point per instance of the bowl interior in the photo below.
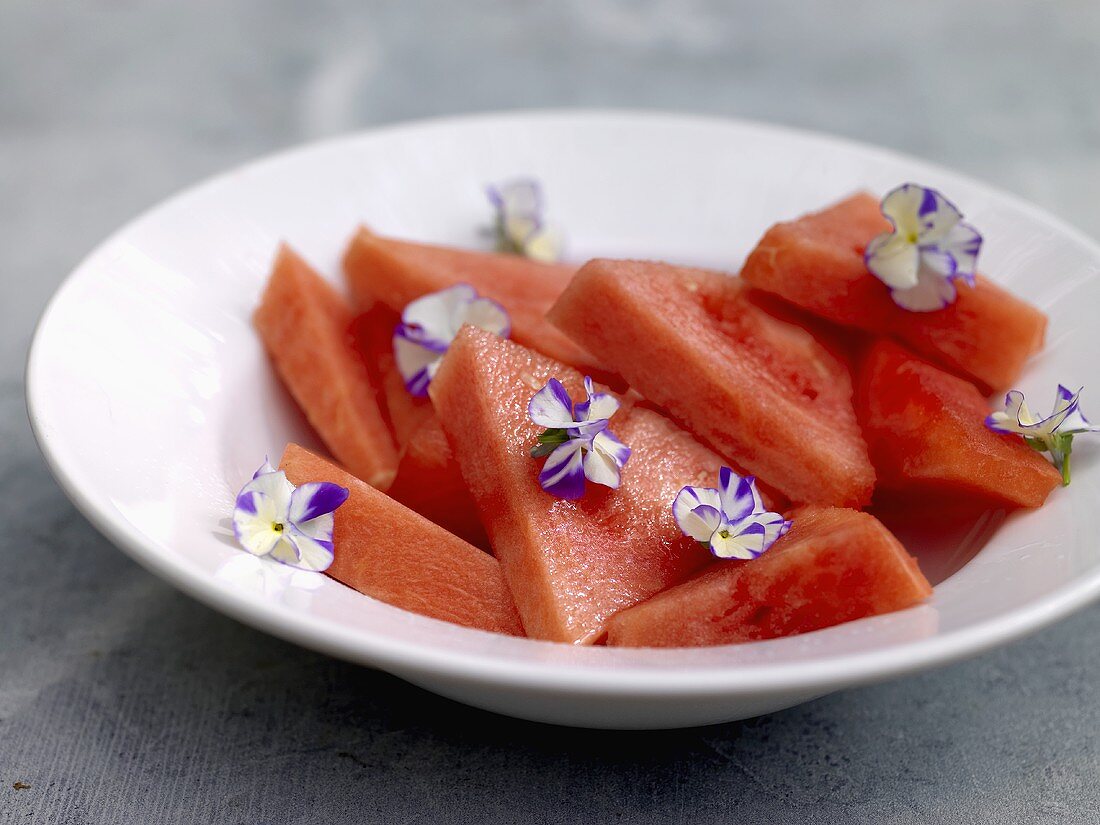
(153, 400)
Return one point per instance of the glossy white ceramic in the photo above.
(152, 400)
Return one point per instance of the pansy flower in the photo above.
(290, 524)
(519, 227)
(927, 251)
(731, 520)
(576, 442)
(1053, 434)
(429, 325)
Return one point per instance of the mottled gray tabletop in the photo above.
(124, 701)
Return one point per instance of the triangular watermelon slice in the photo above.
(372, 332)
(816, 262)
(430, 482)
(759, 390)
(835, 565)
(306, 327)
(570, 564)
(390, 553)
(398, 272)
(926, 433)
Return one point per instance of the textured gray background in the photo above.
(123, 701)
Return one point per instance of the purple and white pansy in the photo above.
(577, 442)
(520, 226)
(292, 525)
(429, 325)
(929, 249)
(731, 520)
(1053, 434)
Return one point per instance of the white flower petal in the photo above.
(963, 243)
(254, 518)
(597, 405)
(543, 245)
(940, 263)
(607, 444)
(551, 407)
(520, 197)
(439, 315)
(276, 489)
(932, 292)
(744, 545)
(519, 228)
(893, 260)
(600, 468)
(702, 523)
(902, 207)
(1075, 423)
(563, 473)
(488, 315)
(740, 499)
(1003, 422)
(257, 537)
(319, 528)
(312, 553)
(691, 523)
(414, 360)
(286, 551)
(316, 499)
(775, 527)
(936, 215)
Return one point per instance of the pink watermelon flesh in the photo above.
(392, 554)
(926, 432)
(570, 564)
(835, 565)
(398, 272)
(305, 326)
(760, 391)
(816, 262)
(430, 482)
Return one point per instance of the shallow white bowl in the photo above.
(152, 400)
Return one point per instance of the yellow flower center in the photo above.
(277, 527)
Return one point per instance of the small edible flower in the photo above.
(928, 250)
(292, 525)
(429, 325)
(519, 227)
(732, 520)
(1053, 434)
(577, 443)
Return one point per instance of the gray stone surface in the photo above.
(123, 701)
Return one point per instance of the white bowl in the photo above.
(152, 399)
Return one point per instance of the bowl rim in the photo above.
(377, 649)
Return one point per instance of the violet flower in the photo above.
(519, 227)
(927, 251)
(577, 443)
(1053, 434)
(732, 520)
(292, 525)
(429, 325)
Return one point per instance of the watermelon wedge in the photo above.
(390, 553)
(816, 262)
(430, 482)
(926, 432)
(398, 272)
(305, 326)
(760, 391)
(372, 332)
(570, 564)
(835, 565)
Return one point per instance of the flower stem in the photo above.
(1065, 468)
